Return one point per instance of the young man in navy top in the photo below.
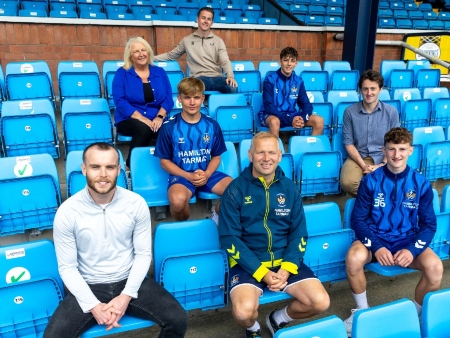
(189, 146)
(285, 102)
(394, 223)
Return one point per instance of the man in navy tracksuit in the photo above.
(394, 223)
(262, 227)
(285, 101)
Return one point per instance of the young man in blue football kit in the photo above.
(189, 146)
(394, 223)
(263, 230)
(285, 102)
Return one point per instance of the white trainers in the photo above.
(349, 322)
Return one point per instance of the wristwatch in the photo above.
(383, 163)
(160, 116)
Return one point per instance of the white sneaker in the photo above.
(349, 322)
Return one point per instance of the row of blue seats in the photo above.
(404, 14)
(180, 245)
(409, 5)
(327, 3)
(390, 23)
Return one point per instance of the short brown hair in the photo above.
(398, 135)
(263, 135)
(191, 86)
(289, 51)
(100, 146)
(371, 75)
(207, 9)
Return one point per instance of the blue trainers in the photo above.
(252, 334)
(272, 325)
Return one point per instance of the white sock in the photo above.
(281, 316)
(361, 300)
(255, 327)
(215, 217)
(418, 307)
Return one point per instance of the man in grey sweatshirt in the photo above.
(206, 55)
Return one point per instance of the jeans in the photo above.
(153, 303)
(141, 134)
(217, 84)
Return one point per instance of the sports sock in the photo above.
(281, 316)
(215, 217)
(255, 327)
(418, 307)
(361, 300)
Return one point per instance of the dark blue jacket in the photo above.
(128, 93)
(263, 226)
(282, 95)
(394, 207)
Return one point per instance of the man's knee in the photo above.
(178, 201)
(319, 302)
(316, 122)
(434, 270)
(273, 122)
(244, 310)
(356, 258)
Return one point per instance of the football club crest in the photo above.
(234, 280)
(206, 138)
(294, 89)
(411, 194)
(281, 199)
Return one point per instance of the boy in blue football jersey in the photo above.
(285, 102)
(394, 223)
(189, 146)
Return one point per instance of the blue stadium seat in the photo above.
(426, 135)
(314, 20)
(9, 6)
(385, 13)
(338, 145)
(127, 323)
(435, 319)
(404, 24)
(224, 100)
(337, 3)
(75, 180)
(31, 291)
(328, 242)
(267, 21)
(119, 16)
(140, 10)
(244, 147)
(411, 6)
(331, 66)
(396, 104)
(240, 65)
(428, 78)
(333, 21)
(440, 243)
(430, 16)
(400, 78)
(109, 70)
(29, 193)
(416, 113)
(78, 79)
(236, 122)
(397, 319)
(437, 160)
(248, 21)
(317, 10)
(228, 165)
(29, 127)
(436, 25)
(190, 264)
(299, 9)
(90, 6)
(248, 82)
(435, 93)
(383, 5)
(415, 15)
(441, 113)
(444, 16)
(174, 17)
(151, 185)
(63, 14)
(303, 66)
(340, 100)
(335, 11)
(232, 11)
(387, 66)
(396, 5)
(416, 65)
(325, 110)
(344, 80)
(287, 165)
(386, 23)
(329, 327)
(315, 80)
(348, 208)
(92, 15)
(252, 13)
(8, 12)
(112, 9)
(400, 14)
(34, 6)
(298, 145)
(29, 80)
(315, 97)
(63, 6)
(415, 160)
(86, 121)
(267, 66)
(447, 25)
(420, 24)
(406, 94)
(384, 95)
(173, 70)
(188, 8)
(225, 19)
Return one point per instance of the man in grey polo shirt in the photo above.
(364, 126)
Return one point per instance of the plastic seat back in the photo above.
(109, 70)
(397, 319)
(301, 144)
(307, 66)
(225, 100)
(29, 127)
(425, 135)
(406, 94)
(428, 78)
(437, 160)
(416, 113)
(29, 191)
(236, 122)
(435, 316)
(78, 79)
(329, 327)
(415, 159)
(338, 145)
(267, 66)
(315, 80)
(344, 80)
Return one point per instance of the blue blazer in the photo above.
(128, 93)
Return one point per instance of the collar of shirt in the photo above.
(210, 35)
(362, 110)
(394, 176)
(282, 76)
